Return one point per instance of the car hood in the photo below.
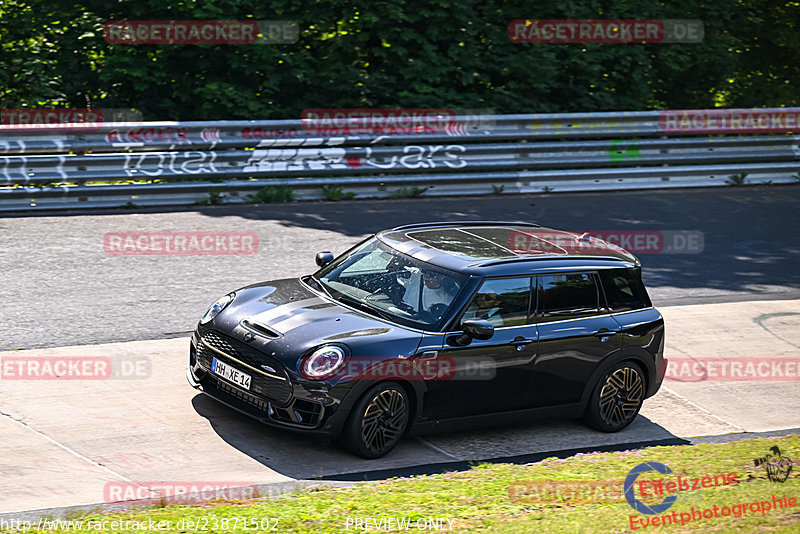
(289, 320)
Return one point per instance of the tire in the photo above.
(616, 398)
(377, 421)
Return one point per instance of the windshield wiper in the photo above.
(364, 307)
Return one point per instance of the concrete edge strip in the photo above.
(739, 436)
(272, 489)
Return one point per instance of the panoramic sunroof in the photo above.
(466, 243)
(503, 237)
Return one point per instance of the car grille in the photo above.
(299, 413)
(277, 387)
(241, 396)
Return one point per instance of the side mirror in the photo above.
(323, 258)
(475, 329)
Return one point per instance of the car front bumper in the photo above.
(307, 409)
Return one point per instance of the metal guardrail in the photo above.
(180, 163)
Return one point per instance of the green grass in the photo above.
(335, 192)
(272, 194)
(737, 179)
(412, 191)
(478, 500)
(215, 198)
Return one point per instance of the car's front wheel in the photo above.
(616, 398)
(377, 421)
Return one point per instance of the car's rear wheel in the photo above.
(378, 421)
(617, 398)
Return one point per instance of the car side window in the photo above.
(501, 301)
(567, 296)
(624, 289)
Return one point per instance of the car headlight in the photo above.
(217, 307)
(323, 362)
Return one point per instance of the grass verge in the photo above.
(510, 498)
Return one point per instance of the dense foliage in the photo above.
(404, 53)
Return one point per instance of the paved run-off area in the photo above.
(65, 443)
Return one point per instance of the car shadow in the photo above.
(303, 457)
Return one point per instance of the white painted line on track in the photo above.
(67, 449)
(687, 401)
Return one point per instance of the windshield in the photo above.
(380, 280)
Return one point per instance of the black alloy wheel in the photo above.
(378, 421)
(616, 399)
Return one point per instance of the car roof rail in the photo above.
(544, 257)
(465, 223)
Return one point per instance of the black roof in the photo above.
(500, 248)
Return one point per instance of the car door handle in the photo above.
(605, 333)
(521, 343)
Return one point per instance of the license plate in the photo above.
(229, 373)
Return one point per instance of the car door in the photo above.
(576, 333)
(486, 376)
(642, 327)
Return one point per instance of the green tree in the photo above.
(406, 53)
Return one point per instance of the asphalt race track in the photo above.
(63, 442)
(66, 290)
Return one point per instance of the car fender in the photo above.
(635, 354)
(402, 371)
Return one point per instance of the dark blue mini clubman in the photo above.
(438, 327)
